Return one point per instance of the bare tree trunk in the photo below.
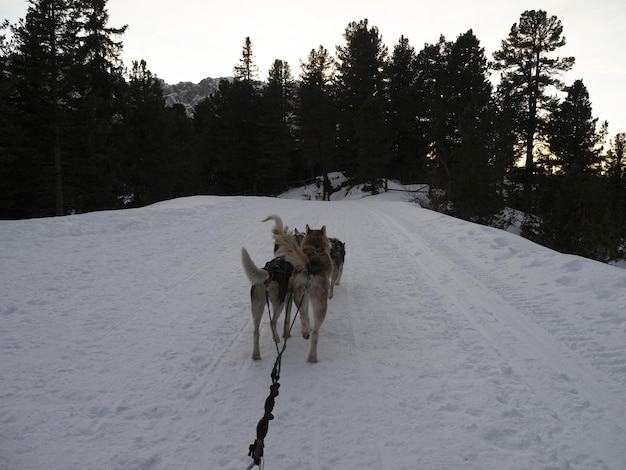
(533, 96)
(58, 173)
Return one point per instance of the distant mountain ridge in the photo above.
(190, 94)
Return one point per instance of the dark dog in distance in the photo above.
(338, 256)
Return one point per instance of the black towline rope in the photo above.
(256, 448)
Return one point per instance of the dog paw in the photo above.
(256, 357)
(312, 359)
(306, 334)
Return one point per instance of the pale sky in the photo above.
(188, 40)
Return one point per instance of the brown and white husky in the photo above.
(312, 267)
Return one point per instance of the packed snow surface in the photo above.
(126, 342)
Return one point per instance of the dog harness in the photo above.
(279, 270)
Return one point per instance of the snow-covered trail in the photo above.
(504, 322)
(126, 343)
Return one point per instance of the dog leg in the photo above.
(257, 293)
(278, 308)
(303, 302)
(333, 277)
(319, 314)
(289, 302)
(339, 273)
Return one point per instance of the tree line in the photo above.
(79, 132)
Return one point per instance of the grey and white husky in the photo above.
(268, 283)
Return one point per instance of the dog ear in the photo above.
(308, 229)
(324, 229)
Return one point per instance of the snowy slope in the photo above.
(126, 343)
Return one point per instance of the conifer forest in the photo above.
(81, 132)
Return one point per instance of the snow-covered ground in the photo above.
(126, 342)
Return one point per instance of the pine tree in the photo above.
(574, 207)
(316, 115)
(616, 158)
(186, 177)
(280, 90)
(246, 70)
(11, 136)
(474, 177)
(61, 60)
(97, 76)
(616, 171)
(373, 144)
(228, 128)
(45, 46)
(149, 166)
(276, 130)
(433, 96)
(528, 75)
(455, 95)
(409, 146)
(361, 64)
(573, 135)
(508, 134)
(360, 78)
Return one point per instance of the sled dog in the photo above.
(299, 237)
(338, 256)
(309, 282)
(268, 283)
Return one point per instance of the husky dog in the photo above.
(268, 283)
(309, 282)
(299, 237)
(338, 256)
(296, 233)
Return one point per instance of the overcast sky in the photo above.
(188, 40)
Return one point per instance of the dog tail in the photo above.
(276, 218)
(287, 245)
(255, 274)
